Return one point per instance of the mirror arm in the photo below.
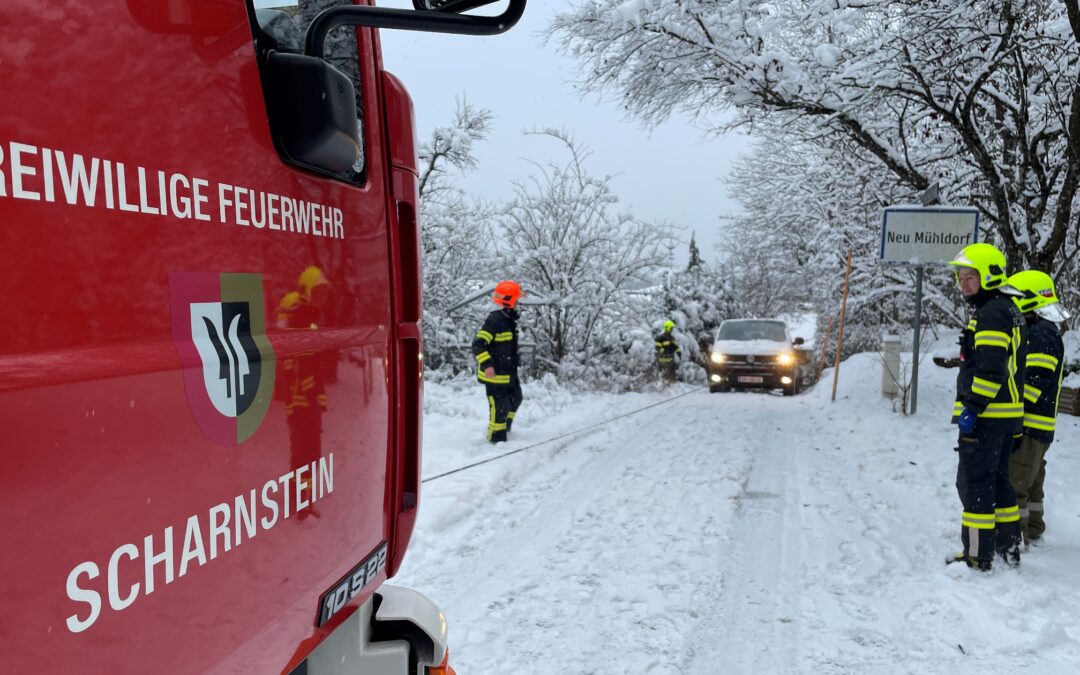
(408, 19)
(458, 6)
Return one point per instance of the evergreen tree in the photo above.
(695, 263)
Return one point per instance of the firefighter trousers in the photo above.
(991, 519)
(666, 367)
(1027, 471)
(503, 402)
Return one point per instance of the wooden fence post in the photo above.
(824, 349)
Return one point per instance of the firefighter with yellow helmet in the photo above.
(989, 408)
(1042, 384)
(667, 349)
(304, 374)
(496, 350)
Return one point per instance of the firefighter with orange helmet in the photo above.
(496, 350)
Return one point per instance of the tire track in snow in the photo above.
(626, 520)
(754, 623)
(801, 596)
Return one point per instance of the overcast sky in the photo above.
(670, 173)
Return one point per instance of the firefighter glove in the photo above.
(966, 422)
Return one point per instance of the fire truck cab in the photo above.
(211, 372)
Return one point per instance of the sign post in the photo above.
(918, 236)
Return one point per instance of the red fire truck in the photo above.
(211, 368)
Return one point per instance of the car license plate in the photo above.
(751, 379)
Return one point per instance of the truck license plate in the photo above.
(352, 583)
(751, 379)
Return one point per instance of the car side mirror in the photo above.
(798, 341)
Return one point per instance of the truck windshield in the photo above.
(752, 330)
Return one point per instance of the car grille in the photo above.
(744, 360)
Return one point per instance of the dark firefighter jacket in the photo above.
(1042, 379)
(496, 345)
(666, 347)
(993, 349)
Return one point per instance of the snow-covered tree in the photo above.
(451, 148)
(697, 302)
(978, 94)
(806, 203)
(456, 230)
(563, 237)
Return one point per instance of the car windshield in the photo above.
(752, 330)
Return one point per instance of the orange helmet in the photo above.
(507, 293)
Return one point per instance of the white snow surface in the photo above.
(730, 533)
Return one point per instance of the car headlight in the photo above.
(785, 359)
(717, 357)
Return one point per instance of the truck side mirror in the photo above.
(312, 105)
(312, 110)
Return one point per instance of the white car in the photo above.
(757, 354)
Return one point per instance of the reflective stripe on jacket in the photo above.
(496, 345)
(666, 347)
(1042, 379)
(993, 352)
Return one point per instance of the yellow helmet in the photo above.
(310, 278)
(1038, 296)
(986, 260)
(669, 325)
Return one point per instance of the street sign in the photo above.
(921, 236)
(911, 235)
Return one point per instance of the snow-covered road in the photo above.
(730, 533)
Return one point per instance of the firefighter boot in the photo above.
(1008, 539)
(1011, 555)
(1008, 548)
(973, 563)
